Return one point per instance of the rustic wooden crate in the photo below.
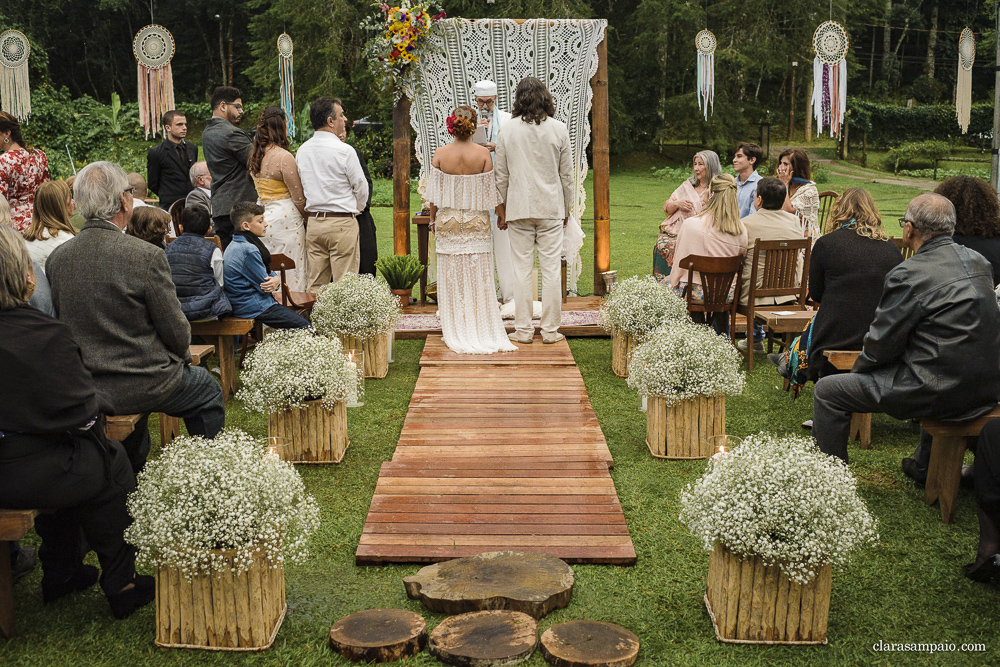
(681, 431)
(751, 603)
(621, 351)
(376, 353)
(220, 610)
(314, 434)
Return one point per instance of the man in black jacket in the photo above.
(934, 347)
(227, 149)
(168, 165)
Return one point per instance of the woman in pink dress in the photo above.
(22, 170)
(687, 201)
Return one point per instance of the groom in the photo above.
(491, 119)
(534, 166)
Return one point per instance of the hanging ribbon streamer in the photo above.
(285, 76)
(153, 47)
(963, 92)
(15, 96)
(829, 98)
(705, 42)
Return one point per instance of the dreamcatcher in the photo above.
(15, 97)
(705, 42)
(963, 94)
(285, 76)
(154, 47)
(830, 77)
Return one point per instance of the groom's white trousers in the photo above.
(547, 236)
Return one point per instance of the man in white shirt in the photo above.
(201, 182)
(336, 192)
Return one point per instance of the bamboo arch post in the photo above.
(401, 176)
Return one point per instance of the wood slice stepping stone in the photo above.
(590, 644)
(379, 635)
(532, 583)
(485, 639)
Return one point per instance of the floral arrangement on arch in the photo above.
(781, 499)
(401, 34)
(680, 360)
(360, 306)
(636, 306)
(292, 366)
(202, 496)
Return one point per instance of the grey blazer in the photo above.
(227, 149)
(115, 293)
(199, 197)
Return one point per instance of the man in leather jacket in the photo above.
(934, 347)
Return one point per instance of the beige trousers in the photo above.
(332, 248)
(547, 237)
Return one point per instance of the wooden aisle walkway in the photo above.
(497, 452)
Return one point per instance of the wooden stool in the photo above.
(14, 524)
(944, 472)
(861, 422)
(223, 332)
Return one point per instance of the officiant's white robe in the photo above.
(501, 243)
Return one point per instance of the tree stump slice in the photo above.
(379, 635)
(485, 639)
(531, 583)
(590, 644)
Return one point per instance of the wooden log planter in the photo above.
(621, 351)
(220, 611)
(376, 353)
(751, 603)
(315, 434)
(681, 431)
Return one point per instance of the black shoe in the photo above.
(985, 571)
(125, 603)
(968, 479)
(82, 579)
(915, 472)
(23, 562)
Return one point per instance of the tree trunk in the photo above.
(809, 112)
(222, 55)
(791, 106)
(932, 40)
(229, 71)
(886, 37)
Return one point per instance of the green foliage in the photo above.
(400, 271)
(892, 124)
(376, 146)
(904, 154)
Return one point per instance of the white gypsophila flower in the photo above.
(681, 360)
(635, 306)
(360, 306)
(292, 366)
(202, 496)
(781, 499)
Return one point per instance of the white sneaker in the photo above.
(550, 339)
(517, 337)
(757, 347)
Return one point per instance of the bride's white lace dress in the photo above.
(467, 299)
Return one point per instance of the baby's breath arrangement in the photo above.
(781, 499)
(635, 306)
(356, 305)
(681, 360)
(293, 366)
(227, 493)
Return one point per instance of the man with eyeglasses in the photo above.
(933, 350)
(227, 149)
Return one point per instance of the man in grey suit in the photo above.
(201, 184)
(227, 149)
(115, 293)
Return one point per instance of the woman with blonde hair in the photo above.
(5, 212)
(50, 225)
(687, 201)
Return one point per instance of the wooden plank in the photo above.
(486, 528)
(494, 518)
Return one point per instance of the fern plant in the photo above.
(400, 271)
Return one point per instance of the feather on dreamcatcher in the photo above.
(153, 47)
(963, 89)
(15, 96)
(285, 77)
(829, 98)
(705, 42)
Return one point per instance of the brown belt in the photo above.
(332, 214)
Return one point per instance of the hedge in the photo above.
(891, 125)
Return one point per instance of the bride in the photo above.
(461, 190)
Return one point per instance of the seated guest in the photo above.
(54, 454)
(150, 224)
(767, 223)
(933, 349)
(977, 217)
(987, 476)
(50, 225)
(201, 182)
(196, 268)
(115, 293)
(249, 283)
(687, 201)
(5, 218)
(140, 193)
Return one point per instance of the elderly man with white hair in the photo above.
(201, 187)
(115, 293)
(934, 347)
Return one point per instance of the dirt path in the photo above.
(848, 171)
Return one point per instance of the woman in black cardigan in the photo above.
(53, 453)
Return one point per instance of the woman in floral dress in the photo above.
(22, 170)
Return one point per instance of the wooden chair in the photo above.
(777, 279)
(717, 277)
(14, 524)
(176, 211)
(301, 302)
(861, 422)
(826, 199)
(903, 248)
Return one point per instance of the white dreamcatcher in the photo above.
(829, 99)
(705, 43)
(963, 92)
(153, 47)
(285, 77)
(15, 96)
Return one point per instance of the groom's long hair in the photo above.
(532, 101)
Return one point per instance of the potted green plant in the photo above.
(302, 381)
(217, 520)
(632, 310)
(685, 370)
(776, 515)
(401, 272)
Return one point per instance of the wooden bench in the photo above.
(14, 524)
(222, 331)
(949, 441)
(861, 422)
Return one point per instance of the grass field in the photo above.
(908, 589)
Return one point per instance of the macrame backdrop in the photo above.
(285, 77)
(560, 52)
(963, 88)
(15, 96)
(153, 47)
(829, 98)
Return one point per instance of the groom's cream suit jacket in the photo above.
(535, 164)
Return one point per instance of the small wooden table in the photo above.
(423, 223)
(223, 331)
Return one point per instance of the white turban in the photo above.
(485, 89)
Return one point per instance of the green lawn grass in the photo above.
(908, 589)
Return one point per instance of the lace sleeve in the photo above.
(290, 175)
(806, 203)
(473, 192)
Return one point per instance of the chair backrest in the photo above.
(903, 248)
(717, 277)
(778, 277)
(282, 263)
(176, 211)
(826, 199)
